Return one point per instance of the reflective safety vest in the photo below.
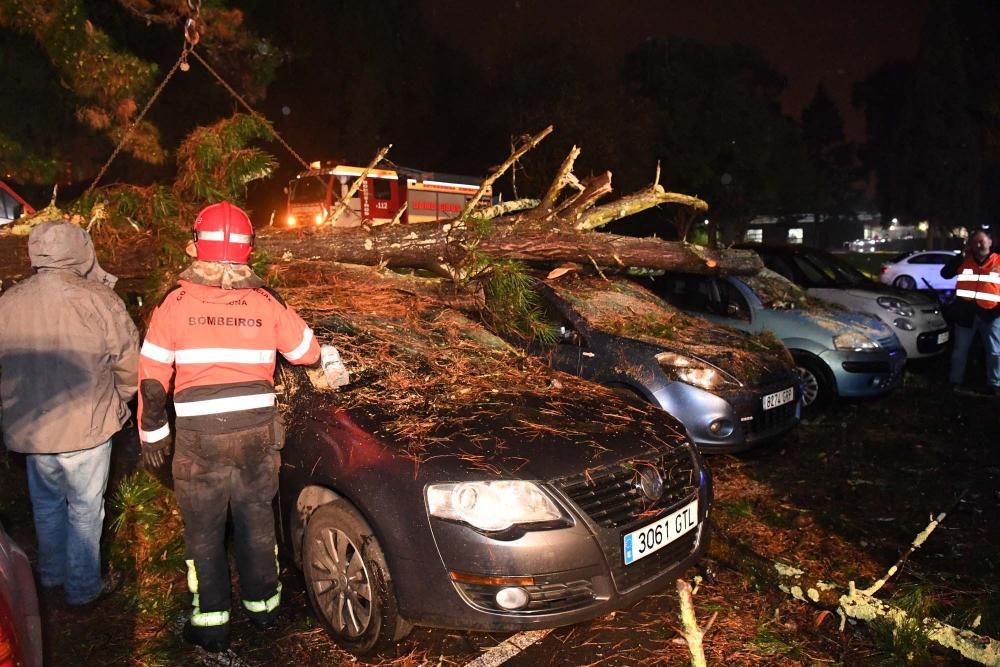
(980, 282)
(219, 346)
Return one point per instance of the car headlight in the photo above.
(904, 324)
(897, 306)
(688, 370)
(491, 505)
(852, 340)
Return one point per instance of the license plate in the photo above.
(779, 398)
(943, 338)
(654, 536)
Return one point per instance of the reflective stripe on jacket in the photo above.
(219, 345)
(979, 282)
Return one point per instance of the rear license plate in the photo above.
(779, 398)
(654, 536)
(943, 338)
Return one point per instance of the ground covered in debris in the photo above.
(840, 497)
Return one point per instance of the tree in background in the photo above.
(935, 151)
(882, 97)
(719, 128)
(833, 200)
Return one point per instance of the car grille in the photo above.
(927, 342)
(765, 422)
(544, 598)
(611, 496)
(773, 420)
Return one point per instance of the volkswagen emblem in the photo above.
(651, 484)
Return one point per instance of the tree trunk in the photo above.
(433, 246)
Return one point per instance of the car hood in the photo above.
(571, 426)
(433, 390)
(832, 323)
(744, 357)
(872, 291)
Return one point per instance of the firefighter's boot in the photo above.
(214, 639)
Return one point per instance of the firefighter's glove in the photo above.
(154, 454)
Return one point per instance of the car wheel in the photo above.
(817, 385)
(905, 282)
(348, 581)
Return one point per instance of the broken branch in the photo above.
(528, 144)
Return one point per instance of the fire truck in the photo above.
(429, 196)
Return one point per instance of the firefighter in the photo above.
(216, 334)
(978, 291)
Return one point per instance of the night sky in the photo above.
(809, 41)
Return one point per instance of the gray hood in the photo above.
(62, 246)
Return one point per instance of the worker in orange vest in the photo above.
(216, 335)
(978, 292)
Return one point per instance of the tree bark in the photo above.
(431, 246)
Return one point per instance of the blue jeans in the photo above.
(67, 499)
(990, 332)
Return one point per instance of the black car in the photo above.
(730, 389)
(456, 483)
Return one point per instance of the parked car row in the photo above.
(471, 481)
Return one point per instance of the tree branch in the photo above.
(528, 144)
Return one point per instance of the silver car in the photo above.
(729, 389)
(836, 352)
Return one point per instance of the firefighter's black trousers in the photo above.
(214, 473)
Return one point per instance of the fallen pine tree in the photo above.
(557, 227)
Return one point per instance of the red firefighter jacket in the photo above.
(221, 344)
(980, 282)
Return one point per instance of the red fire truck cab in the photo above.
(429, 196)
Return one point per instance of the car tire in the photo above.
(905, 282)
(348, 581)
(817, 383)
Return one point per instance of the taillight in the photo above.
(8, 644)
(885, 268)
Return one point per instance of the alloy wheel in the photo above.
(341, 583)
(810, 385)
(905, 282)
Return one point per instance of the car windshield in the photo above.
(605, 304)
(308, 189)
(823, 270)
(775, 291)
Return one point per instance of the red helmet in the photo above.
(223, 233)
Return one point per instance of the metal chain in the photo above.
(128, 133)
(191, 39)
(249, 108)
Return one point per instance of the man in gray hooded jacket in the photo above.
(68, 365)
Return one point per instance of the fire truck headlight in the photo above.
(319, 217)
(291, 221)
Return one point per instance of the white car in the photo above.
(919, 270)
(914, 317)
